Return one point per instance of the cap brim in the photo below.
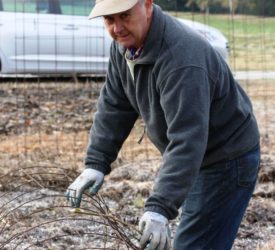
(109, 7)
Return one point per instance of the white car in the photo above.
(55, 36)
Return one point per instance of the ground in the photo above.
(44, 132)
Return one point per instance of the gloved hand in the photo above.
(155, 232)
(89, 179)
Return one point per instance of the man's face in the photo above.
(130, 28)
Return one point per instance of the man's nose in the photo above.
(118, 27)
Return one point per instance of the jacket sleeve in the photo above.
(112, 122)
(185, 100)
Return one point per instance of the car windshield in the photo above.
(64, 7)
(76, 7)
(18, 6)
(27, 6)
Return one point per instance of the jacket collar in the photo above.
(153, 41)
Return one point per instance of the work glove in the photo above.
(90, 179)
(155, 232)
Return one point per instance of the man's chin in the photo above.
(126, 44)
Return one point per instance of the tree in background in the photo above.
(253, 7)
(213, 6)
(269, 8)
(175, 5)
(257, 7)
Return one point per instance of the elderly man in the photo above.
(195, 113)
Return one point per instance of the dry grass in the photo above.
(267, 246)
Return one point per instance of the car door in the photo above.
(19, 33)
(53, 36)
(32, 35)
(82, 44)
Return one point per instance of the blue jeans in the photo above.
(214, 208)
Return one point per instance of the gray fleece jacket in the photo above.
(195, 113)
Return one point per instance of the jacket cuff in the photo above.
(100, 168)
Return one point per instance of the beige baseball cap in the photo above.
(109, 7)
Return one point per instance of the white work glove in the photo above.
(155, 232)
(89, 179)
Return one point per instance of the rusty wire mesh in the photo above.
(34, 214)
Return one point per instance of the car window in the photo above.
(76, 7)
(28, 6)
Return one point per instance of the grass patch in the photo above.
(251, 38)
(242, 24)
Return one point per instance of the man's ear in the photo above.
(149, 8)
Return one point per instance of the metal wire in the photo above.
(23, 214)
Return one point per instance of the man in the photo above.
(195, 113)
